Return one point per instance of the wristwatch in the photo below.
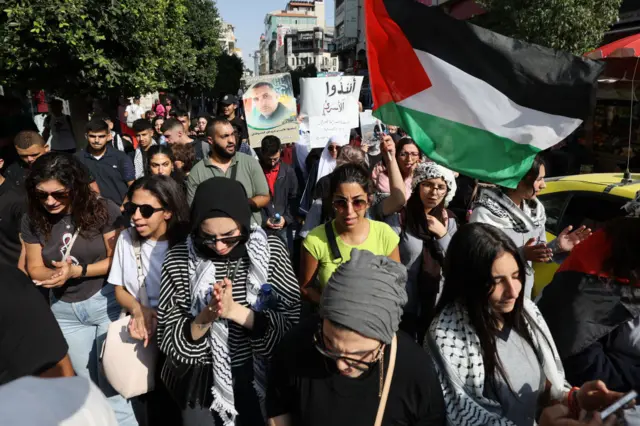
(84, 270)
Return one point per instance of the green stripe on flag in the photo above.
(473, 152)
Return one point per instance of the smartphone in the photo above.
(618, 404)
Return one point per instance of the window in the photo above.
(554, 205)
(592, 210)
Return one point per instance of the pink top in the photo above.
(381, 181)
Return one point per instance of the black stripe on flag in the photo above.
(532, 76)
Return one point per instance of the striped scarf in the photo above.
(202, 273)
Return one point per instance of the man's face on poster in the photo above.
(265, 100)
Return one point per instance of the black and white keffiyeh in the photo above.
(202, 273)
(431, 170)
(138, 162)
(456, 348)
(633, 207)
(507, 215)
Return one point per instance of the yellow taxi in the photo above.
(590, 200)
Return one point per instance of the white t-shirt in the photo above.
(64, 401)
(135, 112)
(124, 270)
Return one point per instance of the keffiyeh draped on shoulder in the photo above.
(202, 273)
(507, 215)
(455, 347)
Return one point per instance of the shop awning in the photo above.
(628, 47)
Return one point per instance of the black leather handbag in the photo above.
(188, 384)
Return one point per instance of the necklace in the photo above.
(68, 224)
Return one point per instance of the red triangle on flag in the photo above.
(395, 72)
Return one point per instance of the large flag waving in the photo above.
(475, 101)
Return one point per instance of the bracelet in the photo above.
(572, 402)
(84, 270)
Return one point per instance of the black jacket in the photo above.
(285, 200)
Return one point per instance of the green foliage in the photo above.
(104, 47)
(202, 27)
(300, 72)
(230, 71)
(575, 26)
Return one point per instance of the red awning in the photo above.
(628, 47)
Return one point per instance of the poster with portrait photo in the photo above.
(270, 109)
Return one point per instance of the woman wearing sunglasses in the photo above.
(334, 370)
(214, 322)
(159, 214)
(330, 245)
(70, 235)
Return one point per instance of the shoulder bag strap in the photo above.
(234, 170)
(137, 249)
(67, 252)
(387, 381)
(333, 243)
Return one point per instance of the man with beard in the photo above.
(224, 161)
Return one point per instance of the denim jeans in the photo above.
(84, 326)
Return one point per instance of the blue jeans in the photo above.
(84, 326)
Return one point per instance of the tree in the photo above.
(102, 48)
(575, 26)
(230, 72)
(202, 27)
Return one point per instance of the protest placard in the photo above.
(331, 103)
(370, 128)
(271, 109)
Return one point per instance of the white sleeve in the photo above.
(116, 274)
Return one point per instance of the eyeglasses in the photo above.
(58, 196)
(145, 209)
(434, 188)
(409, 154)
(343, 205)
(212, 240)
(333, 148)
(358, 364)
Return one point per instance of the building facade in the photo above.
(299, 16)
(228, 40)
(304, 48)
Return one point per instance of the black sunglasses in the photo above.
(210, 240)
(358, 364)
(145, 209)
(58, 196)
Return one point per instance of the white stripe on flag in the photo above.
(460, 97)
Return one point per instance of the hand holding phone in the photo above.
(619, 404)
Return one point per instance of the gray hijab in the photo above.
(367, 295)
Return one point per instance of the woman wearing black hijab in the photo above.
(217, 321)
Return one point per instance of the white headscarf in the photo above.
(327, 162)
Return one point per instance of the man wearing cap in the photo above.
(229, 107)
(345, 367)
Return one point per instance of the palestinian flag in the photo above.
(475, 101)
